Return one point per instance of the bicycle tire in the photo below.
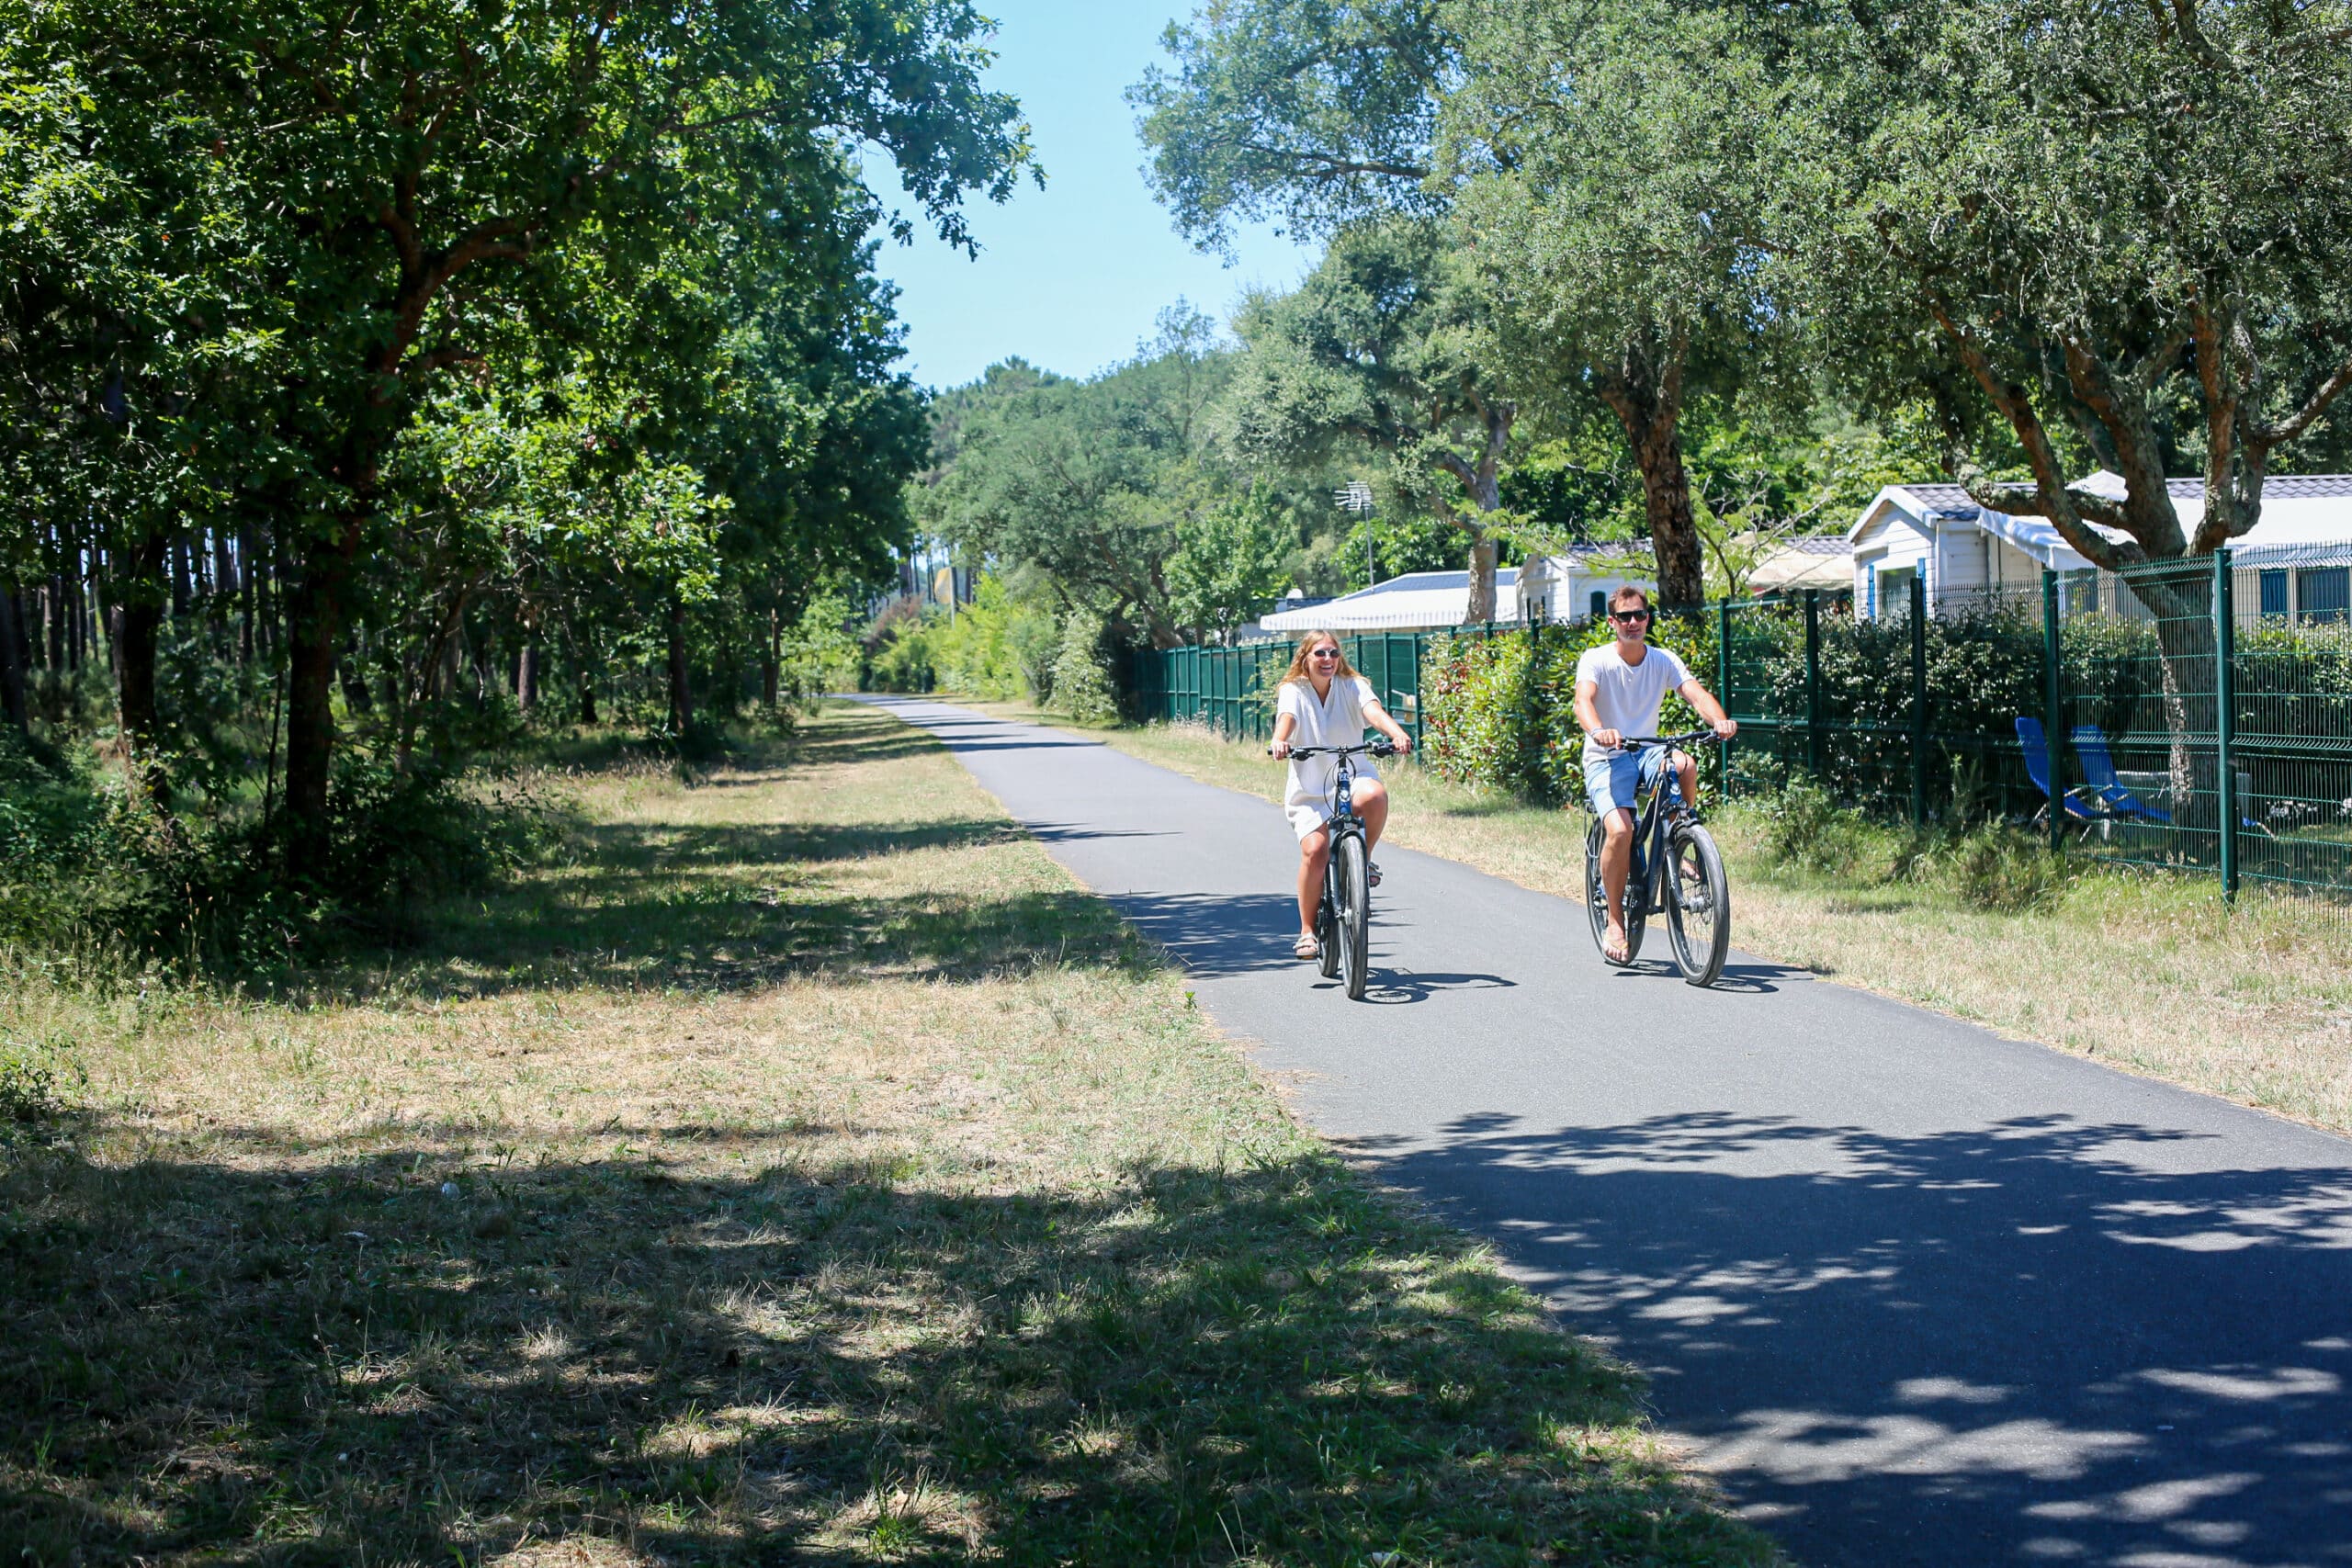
(1596, 901)
(1698, 904)
(1355, 917)
(1326, 932)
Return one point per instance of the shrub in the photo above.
(87, 868)
(2001, 869)
(1804, 828)
(32, 1101)
(1082, 687)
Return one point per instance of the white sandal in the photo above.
(1307, 946)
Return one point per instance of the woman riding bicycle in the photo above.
(1323, 702)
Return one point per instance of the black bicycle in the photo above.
(1677, 870)
(1342, 920)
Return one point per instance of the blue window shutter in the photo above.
(2324, 591)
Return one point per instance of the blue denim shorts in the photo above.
(1611, 782)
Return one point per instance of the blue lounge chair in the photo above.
(2098, 772)
(2078, 807)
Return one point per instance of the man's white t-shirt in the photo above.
(1335, 720)
(1626, 697)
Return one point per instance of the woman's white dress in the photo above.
(1335, 720)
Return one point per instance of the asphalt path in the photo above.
(1914, 1294)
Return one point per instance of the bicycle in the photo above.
(1343, 919)
(1681, 874)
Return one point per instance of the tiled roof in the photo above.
(1818, 545)
(1418, 581)
(2303, 487)
(1950, 500)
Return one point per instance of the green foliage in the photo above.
(1384, 351)
(1228, 566)
(900, 651)
(1090, 482)
(820, 655)
(37, 1079)
(1804, 828)
(1082, 687)
(1941, 240)
(997, 645)
(1314, 112)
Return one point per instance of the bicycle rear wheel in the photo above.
(1698, 904)
(1355, 915)
(1327, 929)
(1596, 901)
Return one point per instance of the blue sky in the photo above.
(1069, 277)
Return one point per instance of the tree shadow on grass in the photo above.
(728, 907)
(812, 1363)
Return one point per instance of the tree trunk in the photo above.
(682, 697)
(245, 591)
(587, 699)
(526, 676)
(183, 582)
(53, 602)
(351, 673)
(2182, 602)
(313, 606)
(142, 588)
(1674, 533)
(12, 662)
(1645, 394)
(771, 662)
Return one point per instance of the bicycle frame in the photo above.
(1655, 807)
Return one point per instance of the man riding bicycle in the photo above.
(1620, 687)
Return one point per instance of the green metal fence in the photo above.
(2194, 716)
(1232, 689)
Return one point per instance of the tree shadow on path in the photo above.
(2039, 1340)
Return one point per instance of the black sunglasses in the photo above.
(1629, 615)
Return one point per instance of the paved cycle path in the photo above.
(1916, 1295)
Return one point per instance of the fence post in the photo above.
(2052, 712)
(1919, 701)
(1722, 694)
(1812, 682)
(2225, 717)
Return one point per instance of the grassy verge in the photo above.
(2150, 973)
(804, 1171)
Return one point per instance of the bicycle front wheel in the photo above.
(1355, 915)
(1596, 901)
(1698, 904)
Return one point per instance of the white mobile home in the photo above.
(2295, 563)
(1563, 587)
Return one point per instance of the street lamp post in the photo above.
(1355, 497)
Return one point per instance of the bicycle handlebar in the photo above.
(1375, 748)
(1696, 738)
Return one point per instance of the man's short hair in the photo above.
(1627, 591)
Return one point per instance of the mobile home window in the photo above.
(2323, 593)
(1599, 603)
(1893, 597)
(2274, 591)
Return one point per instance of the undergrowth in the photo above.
(91, 871)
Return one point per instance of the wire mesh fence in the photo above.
(2189, 716)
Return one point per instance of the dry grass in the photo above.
(2149, 973)
(804, 1171)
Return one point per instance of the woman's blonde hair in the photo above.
(1306, 645)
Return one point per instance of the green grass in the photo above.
(803, 1170)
